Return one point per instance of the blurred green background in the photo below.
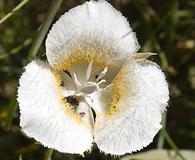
(166, 27)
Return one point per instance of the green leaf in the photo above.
(161, 136)
(173, 145)
(55, 4)
(33, 52)
(48, 154)
(161, 154)
(18, 7)
(11, 111)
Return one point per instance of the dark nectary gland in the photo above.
(72, 101)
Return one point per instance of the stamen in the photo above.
(89, 68)
(76, 82)
(102, 74)
(101, 81)
(108, 87)
(94, 84)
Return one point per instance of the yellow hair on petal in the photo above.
(119, 89)
(98, 57)
(62, 100)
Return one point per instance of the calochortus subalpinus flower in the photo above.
(96, 87)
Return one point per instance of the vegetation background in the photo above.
(166, 27)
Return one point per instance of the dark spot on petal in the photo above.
(81, 114)
(67, 72)
(96, 76)
(94, 114)
(62, 83)
(72, 101)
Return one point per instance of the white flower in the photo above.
(94, 88)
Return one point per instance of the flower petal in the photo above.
(138, 112)
(92, 26)
(43, 115)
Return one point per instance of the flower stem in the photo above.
(161, 136)
(19, 6)
(11, 110)
(48, 154)
(172, 144)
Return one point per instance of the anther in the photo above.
(102, 74)
(89, 68)
(101, 81)
(76, 82)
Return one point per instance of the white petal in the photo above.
(139, 110)
(99, 101)
(43, 115)
(94, 25)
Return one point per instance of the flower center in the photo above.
(88, 86)
(84, 80)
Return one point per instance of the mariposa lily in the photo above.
(96, 88)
